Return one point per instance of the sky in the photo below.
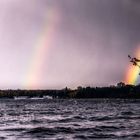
(57, 43)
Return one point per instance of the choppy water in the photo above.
(69, 119)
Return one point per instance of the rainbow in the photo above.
(40, 51)
(132, 73)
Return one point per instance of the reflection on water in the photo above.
(69, 119)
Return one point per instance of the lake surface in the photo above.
(69, 119)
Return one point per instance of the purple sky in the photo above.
(89, 46)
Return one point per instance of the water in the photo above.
(69, 119)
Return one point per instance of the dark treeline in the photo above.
(119, 91)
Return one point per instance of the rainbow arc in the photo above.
(41, 50)
(132, 73)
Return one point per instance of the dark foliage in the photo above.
(119, 91)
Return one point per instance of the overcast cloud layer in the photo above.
(91, 41)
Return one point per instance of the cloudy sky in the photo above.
(59, 43)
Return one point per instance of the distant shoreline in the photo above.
(120, 91)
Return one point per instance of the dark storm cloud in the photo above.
(108, 17)
(104, 32)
